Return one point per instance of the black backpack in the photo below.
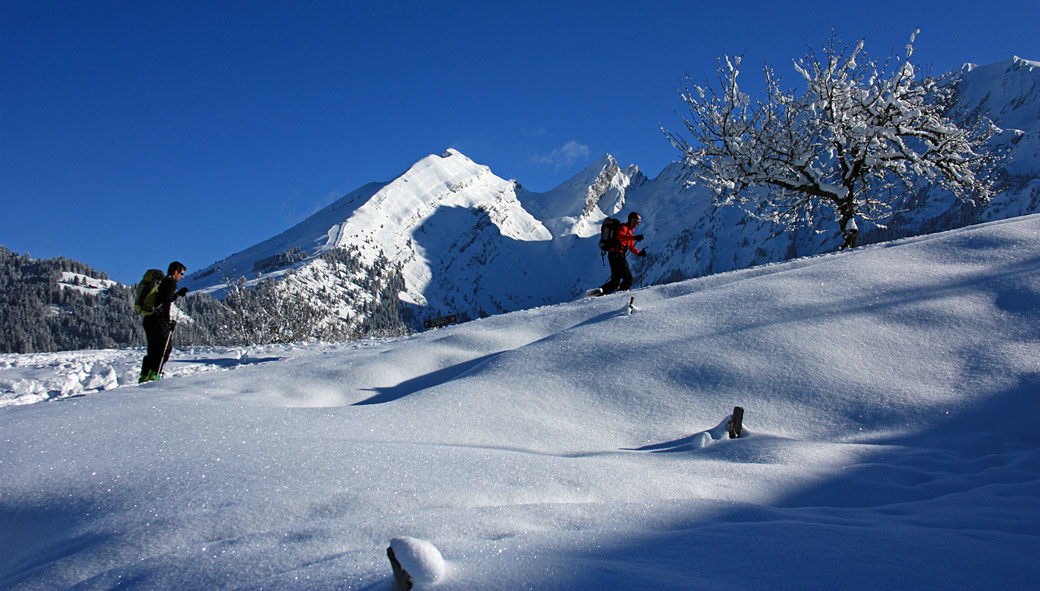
(607, 234)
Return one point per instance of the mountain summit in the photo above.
(466, 241)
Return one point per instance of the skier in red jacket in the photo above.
(625, 241)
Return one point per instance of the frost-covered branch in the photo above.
(857, 135)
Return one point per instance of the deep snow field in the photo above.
(892, 398)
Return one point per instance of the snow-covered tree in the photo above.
(857, 133)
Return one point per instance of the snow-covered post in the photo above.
(402, 581)
(415, 561)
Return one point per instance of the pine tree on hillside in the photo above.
(38, 314)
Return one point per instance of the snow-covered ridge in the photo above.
(580, 203)
(1007, 92)
(388, 221)
(1008, 65)
(84, 283)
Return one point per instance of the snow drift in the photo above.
(891, 396)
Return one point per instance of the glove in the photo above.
(638, 237)
(642, 253)
(182, 292)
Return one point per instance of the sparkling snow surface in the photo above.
(892, 395)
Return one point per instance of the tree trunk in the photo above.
(849, 230)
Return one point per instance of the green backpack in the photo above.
(144, 303)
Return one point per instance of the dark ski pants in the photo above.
(620, 274)
(158, 330)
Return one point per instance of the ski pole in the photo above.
(162, 364)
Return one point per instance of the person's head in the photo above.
(176, 270)
(634, 219)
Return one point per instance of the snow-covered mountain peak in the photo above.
(581, 202)
(420, 221)
(1007, 65)
(1008, 92)
(389, 219)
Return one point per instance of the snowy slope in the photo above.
(890, 396)
(473, 244)
(84, 283)
(313, 236)
(1007, 92)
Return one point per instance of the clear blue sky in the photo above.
(135, 133)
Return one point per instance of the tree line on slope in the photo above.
(38, 313)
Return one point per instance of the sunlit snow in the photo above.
(891, 397)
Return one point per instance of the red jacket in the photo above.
(625, 239)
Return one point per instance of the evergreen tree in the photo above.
(38, 312)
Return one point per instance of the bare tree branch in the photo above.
(857, 135)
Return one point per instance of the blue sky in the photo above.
(135, 133)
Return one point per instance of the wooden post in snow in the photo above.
(736, 422)
(401, 577)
